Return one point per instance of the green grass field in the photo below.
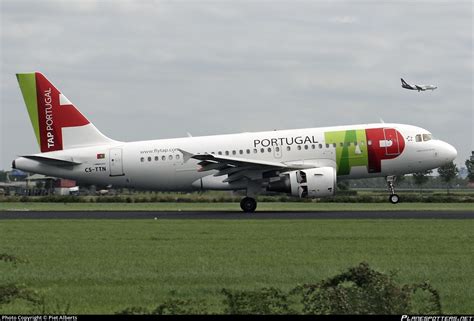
(262, 206)
(104, 266)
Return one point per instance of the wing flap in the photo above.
(234, 160)
(235, 168)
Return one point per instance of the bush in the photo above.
(11, 292)
(177, 306)
(362, 290)
(359, 290)
(170, 307)
(12, 258)
(134, 311)
(265, 301)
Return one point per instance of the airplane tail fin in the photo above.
(57, 123)
(403, 82)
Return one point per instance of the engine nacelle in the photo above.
(312, 182)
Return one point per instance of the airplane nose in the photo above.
(450, 152)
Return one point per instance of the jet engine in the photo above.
(311, 183)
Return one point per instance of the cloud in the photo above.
(156, 69)
(343, 19)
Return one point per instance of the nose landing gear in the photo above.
(393, 198)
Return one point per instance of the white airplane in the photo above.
(417, 87)
(301, 162)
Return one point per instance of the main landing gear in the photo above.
(248, 204)
(393, 198)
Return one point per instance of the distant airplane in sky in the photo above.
(305, 163)
(417, 87)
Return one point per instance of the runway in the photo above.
(237, 215)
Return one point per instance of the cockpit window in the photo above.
(426, 137)
(418, 138)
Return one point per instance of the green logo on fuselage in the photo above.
(351, 149)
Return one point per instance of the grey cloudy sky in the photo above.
(157, 69)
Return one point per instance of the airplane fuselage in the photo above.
(355, 151)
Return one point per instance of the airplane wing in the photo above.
(419, 88)
(238, 168)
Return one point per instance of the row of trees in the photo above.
(447, 177)
(447, 173)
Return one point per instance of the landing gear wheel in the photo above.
(394, 198)
(248, 204)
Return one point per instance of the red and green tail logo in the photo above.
(49, 110)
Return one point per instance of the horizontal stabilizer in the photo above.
(52, 161)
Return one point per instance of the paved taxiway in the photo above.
(238, 215)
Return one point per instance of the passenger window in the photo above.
(327, 145)
(234, 152)
(170, 157)
(313, 146)
(320, 146)
(288, 148)
(369, 142)
(149, 159)
(418, 138)
(342, 144)
(142, 159)
(177, 156)
(269, 150)
(262, 150)
(255, 151)
(241, 152)
(156, 158)
(277, 149)
(426, 137)
(299, 147)
(248, 151)
(227, 152)
(355, 143)
(163, 157)
(219, 153)
(305, 146)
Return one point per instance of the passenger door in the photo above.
(391, 144)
